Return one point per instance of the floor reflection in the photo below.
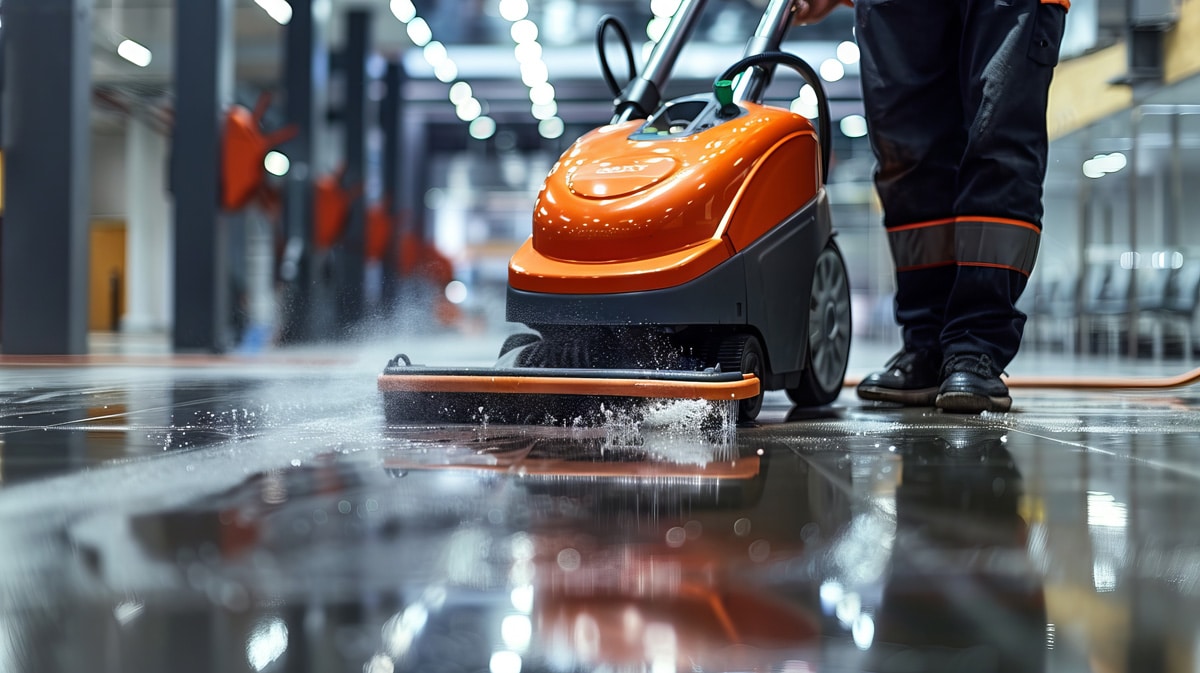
(287, 529)
(960, 593)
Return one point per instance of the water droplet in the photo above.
(676, 537)
(569, 560)
(760, 550)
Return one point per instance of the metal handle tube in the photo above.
(642, 95)
(776, 20)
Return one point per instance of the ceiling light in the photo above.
(459, 92)
(469, 109)
(435, 53)
(419, 32)
(832, 70)
(804, 110)
(528, 51)
(134, 53)
(1167, 259)
(808, 95)
(541, 93)
(665, 8)
(404, 10)
(524, 31)
(544, 110)
(482, 128)
(514, 10)
(551, 128)
(534, 73)
(280, 10)
(848, 53)
(1103, 164)
(446, 71)
(854, 126)
(657, 28)
(1111, 163)
(277, 163)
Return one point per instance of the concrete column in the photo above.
(148, 230)
(416, 165)
(306, 75)
(203, 89)
(351, 255)
(47, 101)
(391, 120)
(3, 49)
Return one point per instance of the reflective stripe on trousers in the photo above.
(966, 241)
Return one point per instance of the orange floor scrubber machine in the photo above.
(685, 250)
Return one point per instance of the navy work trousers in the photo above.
(955, 94)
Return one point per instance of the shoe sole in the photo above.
(968, 403)
(919, 397)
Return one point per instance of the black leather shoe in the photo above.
(910, 379)
(972, 385)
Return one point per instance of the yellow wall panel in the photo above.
(1082, 92)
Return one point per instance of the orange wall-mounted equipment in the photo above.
(332, 208)
(244, 148)
(380, 224)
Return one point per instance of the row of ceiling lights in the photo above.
(141, 56)
(468, 107)
(830, 70)
(534, 73)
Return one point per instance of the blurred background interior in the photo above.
(237, 175)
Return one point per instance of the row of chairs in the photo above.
(1094, 311)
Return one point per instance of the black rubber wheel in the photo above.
(743, 353)
(515, 341)
(828, 332)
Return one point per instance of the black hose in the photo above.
(824, 124)
(606, 22)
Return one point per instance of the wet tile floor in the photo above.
(260, 516)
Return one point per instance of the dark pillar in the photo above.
(1149, 21)
(2, 50)
(391, 118)
(306, 74)
(203, 85)
(351, 253)
(418, 163)
(48, 49)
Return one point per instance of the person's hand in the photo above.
(812, 11)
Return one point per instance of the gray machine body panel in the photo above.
(764, 288)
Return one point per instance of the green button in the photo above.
(724, 90)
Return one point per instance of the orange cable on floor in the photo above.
(1094, 382)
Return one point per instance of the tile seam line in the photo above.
(1195, 474)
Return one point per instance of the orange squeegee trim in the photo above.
(534, 385)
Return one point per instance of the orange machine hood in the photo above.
(621, 211)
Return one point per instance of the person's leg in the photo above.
(1008, 55)
(910, 82)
